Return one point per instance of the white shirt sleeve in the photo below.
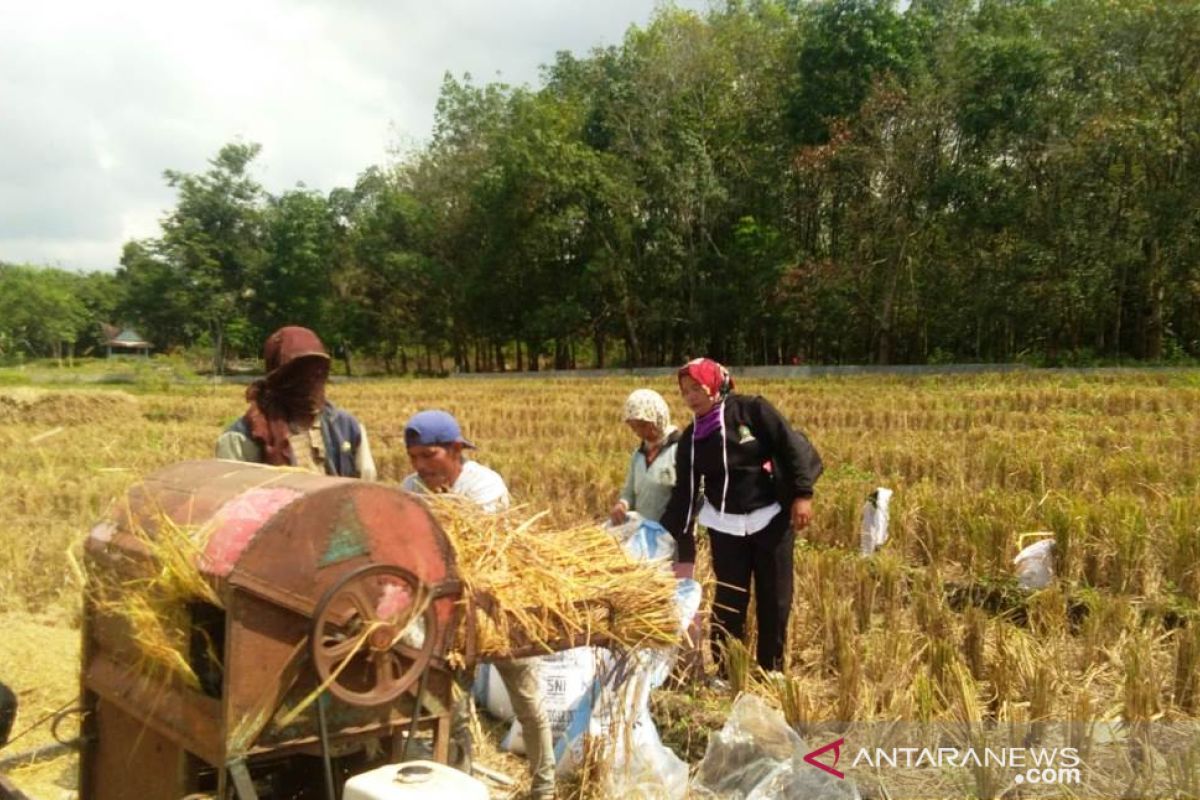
(482, 486)
(363, 461)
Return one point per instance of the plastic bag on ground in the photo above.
(1035, 565)
(873, 531)
(758, 756)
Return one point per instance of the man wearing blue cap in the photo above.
(435, 447)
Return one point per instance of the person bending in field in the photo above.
(651, 474)
(289, 421)
(758, 475)
(435, 447)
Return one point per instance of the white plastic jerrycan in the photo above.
(411, 780)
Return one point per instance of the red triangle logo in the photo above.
(836, 747)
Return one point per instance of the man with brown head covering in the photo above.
(289, 421)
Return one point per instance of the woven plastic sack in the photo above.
(873, 531)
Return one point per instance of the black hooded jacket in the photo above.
(768, 461)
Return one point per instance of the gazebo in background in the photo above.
(124, 341)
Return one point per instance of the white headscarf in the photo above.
(647, 405)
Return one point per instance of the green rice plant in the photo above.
(739, 666)
(924, 702)
(795, 700)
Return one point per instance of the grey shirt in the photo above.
(648, 487)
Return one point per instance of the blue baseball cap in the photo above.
(433, 428)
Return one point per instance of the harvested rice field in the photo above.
(933, 628)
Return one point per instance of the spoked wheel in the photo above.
(374, 633)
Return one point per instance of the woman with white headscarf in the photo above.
(651, 474)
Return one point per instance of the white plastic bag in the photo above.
(757, 756)
(643, 539)
(623, 530)
(874, 529)
(1035, 565)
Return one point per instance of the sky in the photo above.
(98, 98)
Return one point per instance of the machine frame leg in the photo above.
(240, 774)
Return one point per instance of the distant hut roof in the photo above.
(128, 338)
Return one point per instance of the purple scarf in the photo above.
(708, 422)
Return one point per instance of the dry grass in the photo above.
(152, 605)
(930, 628)
(27, 405)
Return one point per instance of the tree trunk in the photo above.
(218, 349)
(1156, 297)
(631, 337)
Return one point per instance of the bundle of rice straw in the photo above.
(24, 404)
(151, 597)
(532, 584)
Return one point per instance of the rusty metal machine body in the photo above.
(319, 582)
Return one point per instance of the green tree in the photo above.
(41, 313)
(215, 238)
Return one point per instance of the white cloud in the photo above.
(100, 98)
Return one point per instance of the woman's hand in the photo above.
(801, 513)
(619, 512)
(685, 571)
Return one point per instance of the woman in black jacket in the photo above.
(748, 477)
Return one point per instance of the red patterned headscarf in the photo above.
(294, 388)
(709, 374)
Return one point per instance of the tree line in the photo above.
(774, 181)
